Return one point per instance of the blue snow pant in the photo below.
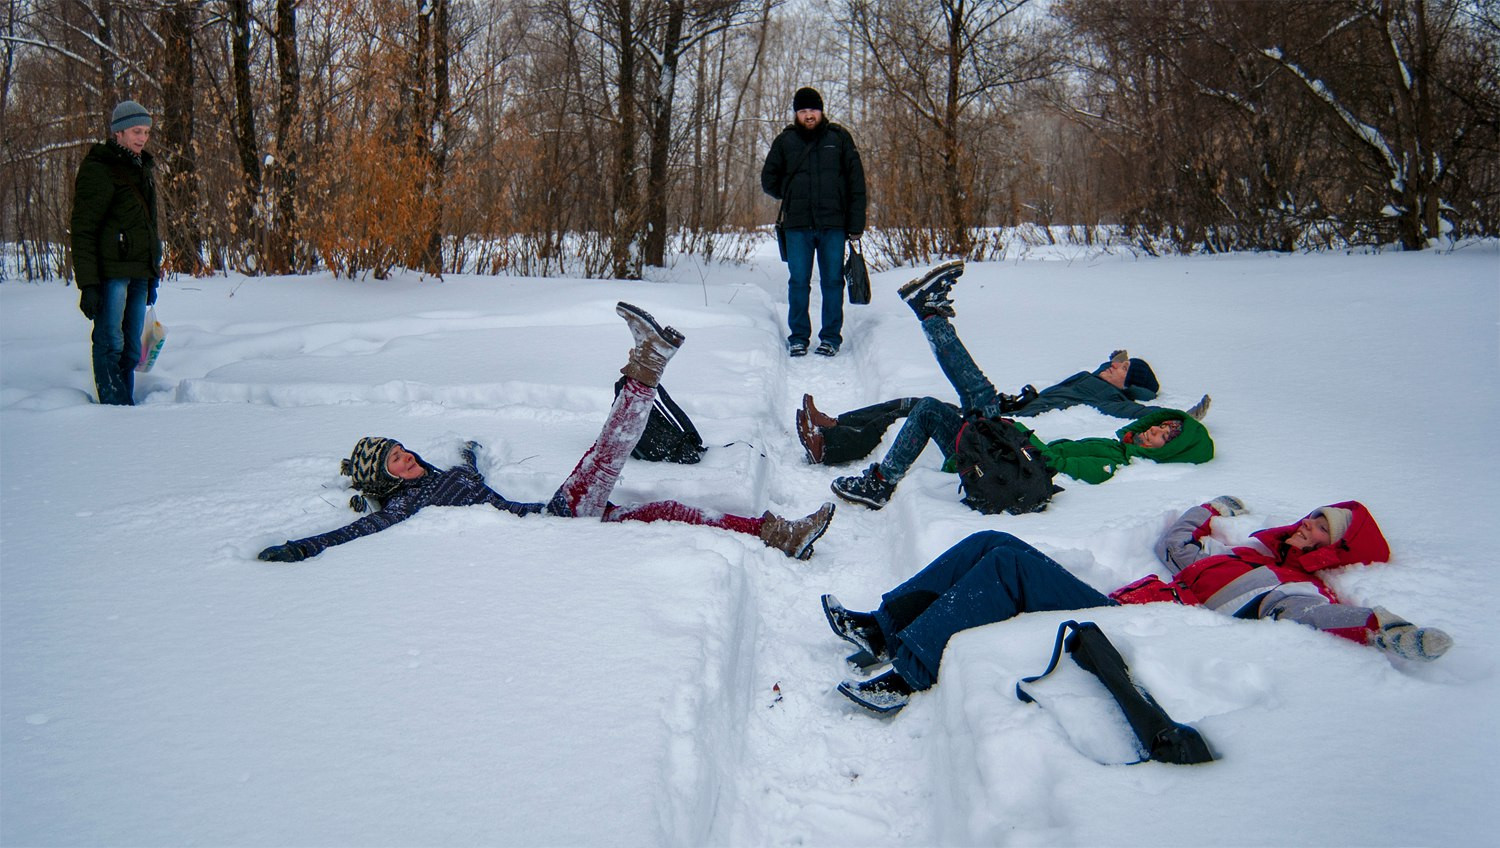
(117, 338)
(932, 419)
(987, 577)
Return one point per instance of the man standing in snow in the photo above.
(814, 169)
(117, 249)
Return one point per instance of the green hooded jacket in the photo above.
(114, 218)
(1096, 460)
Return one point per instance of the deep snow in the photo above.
(474, 678)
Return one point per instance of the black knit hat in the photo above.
(807, 98)
(366, 466)
(1140, 374)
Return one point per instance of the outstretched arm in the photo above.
(1185, 542)
(398, 509)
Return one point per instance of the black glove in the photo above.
(288, 552)
(151, 293)
(855, 236)
(88, 301)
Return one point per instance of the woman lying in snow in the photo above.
(993, 576)
(401, 483)
(1160, 435)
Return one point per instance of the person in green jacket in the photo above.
(1163, 435)
(116, 248)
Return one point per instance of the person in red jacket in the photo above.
(990, 577)
(1276, 575)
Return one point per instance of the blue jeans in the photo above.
(932, 419)
(987, 577)
(117, 338)
(828, 245)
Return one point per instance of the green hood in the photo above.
(1193, 444)
(1096, 460)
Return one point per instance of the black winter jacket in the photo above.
(114, 217)
(818, 177)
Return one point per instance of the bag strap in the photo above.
(787, 180)
(1057, 650)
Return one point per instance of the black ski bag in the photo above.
(1163, 739)
(670, 435)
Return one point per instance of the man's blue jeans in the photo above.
(117, 338)
(828, 245)
(985, 578)
(933, 419)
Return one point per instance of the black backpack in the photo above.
(1000, 469)
(670, 435)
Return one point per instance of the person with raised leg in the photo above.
(1165, 435)
(398, 483)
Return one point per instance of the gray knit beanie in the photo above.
(129, 114)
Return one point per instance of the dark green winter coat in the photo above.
(818, 177)
(1096, 460)
(114, 217)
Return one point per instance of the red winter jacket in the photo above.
(1362, 543)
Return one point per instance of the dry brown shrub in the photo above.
(369, 210)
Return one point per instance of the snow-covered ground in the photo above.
(473, 678)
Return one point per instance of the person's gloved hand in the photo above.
(855, 236)
(1228, 505)
(88, 301)
(151, 293)
(288, 552)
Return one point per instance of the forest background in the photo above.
(600, 137)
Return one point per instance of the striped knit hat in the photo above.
(128, 114)
(366, 466)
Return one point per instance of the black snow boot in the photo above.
(927, 295)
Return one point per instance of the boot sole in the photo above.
(853, 498)
(668, 334)
(858, 697)
(953, 268)
(807, 548)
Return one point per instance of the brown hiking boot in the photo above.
(817, 418)
(654, 344)
(795, 538)
(810, 437)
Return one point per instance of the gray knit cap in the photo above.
(129, 114)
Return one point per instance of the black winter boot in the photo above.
(868, 488)
(885, 694)
(928, 294)
(859, 629)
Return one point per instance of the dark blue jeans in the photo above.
(828, 245)
(987, 577)
(117, 338)
(932, 419)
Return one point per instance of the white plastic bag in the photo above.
(153, 337)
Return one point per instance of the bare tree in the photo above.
(949, 63)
